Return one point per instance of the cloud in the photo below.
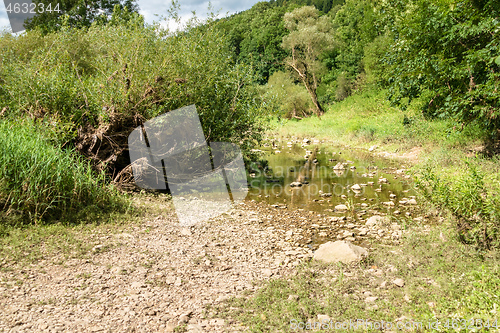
(149, 8)
(4, 20)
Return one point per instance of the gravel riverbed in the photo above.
(156, 276)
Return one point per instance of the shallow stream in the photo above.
(364, 182)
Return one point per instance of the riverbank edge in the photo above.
(434, 289)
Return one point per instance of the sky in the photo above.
(148, 8)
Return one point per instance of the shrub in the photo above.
(106, 80)
(42, 181)
(475, 207)
(292, 100)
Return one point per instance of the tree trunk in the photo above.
(312, 92)
(305, 76)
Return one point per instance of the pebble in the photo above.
(341, 207)
(399, 282)
(323, 318)
(154, 279)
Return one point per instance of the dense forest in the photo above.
(446, 52)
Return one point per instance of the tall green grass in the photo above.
(470, 197)
(40, 181)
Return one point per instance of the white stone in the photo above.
(342, 251)
(375, 220)
(356, 187)
(399, 282)
(341, 207)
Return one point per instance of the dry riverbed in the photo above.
(155, 276)
(150, 277)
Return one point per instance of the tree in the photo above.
(256, 36)
(355, 28)
(310, 36)
(76, 13)
(448, 53)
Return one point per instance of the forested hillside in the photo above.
(445, 52)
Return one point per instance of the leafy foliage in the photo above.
(292, 100)
(447, 52)
(309, 37)
(475, 206)
(78, 13)
(255, 36)
(127, 70)
(322, 5)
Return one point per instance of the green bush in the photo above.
(43, 182)
(90, 77)
(475, 206)
(447, 52)
(290, 99)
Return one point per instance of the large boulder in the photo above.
(342, 251)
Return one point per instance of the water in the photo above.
(272, 185)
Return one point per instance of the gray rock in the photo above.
(186, 232)
(363, 232)
(217, 322)
(267, 272)
(339, 166)
(170, 327)
(356, 187)
(194, 328)
(348, 233)
(98, 248)
(342, 251)
(375, 220)
(137, 285)
(183, 319)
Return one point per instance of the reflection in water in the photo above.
(339, 176)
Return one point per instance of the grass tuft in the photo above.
(41, 182)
